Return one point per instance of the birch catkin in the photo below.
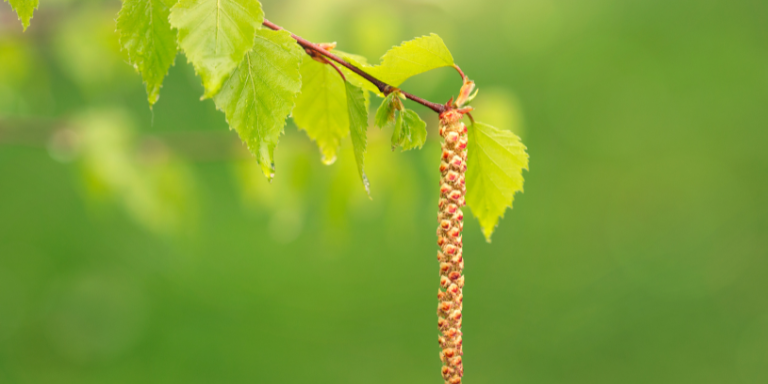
(451, 222)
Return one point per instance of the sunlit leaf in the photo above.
(357, 80)
(215, 35)
(412, 58)
(410, 131)
(358, 127)
(261, 93)
(146, 36)
(495, 162)
(24, 10)
(321, 108)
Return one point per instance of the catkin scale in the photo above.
(450, 224)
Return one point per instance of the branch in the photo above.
(382, 86)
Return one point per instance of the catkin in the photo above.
(450, 220)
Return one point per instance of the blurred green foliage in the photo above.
(140, 246)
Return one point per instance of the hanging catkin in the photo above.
(451, 222)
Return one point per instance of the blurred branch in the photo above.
(60, 135)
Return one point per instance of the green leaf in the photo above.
(356, 80)
(261, 93)
(146, 36)
(321, 108)
(410, 131)
(358, 126)
(412, 58)
(215, 35)
(385, 115)
(24, 10)
(495, 163)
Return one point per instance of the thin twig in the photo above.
(337, 70)
(382, 86)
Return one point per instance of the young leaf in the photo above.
(261, 93)
(358, 126)
(410, 131)
(412, 58)
(385, 115)
(147, 38)
(495, 163)
(215, 35)
(321, 108)
(24, 10)
(356, 80)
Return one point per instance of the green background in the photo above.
(152, 251)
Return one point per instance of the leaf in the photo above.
(146, 36)
(385, 115)
(261, 93)
(410, 131)
(24, 10)
(495, 164)
(358, 126)
(356, 80)
(215, 35)
(321, 108)
(412, 58)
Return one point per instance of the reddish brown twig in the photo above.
(382, 86)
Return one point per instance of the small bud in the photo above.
(458, 341)
(449, 249)
(441, 323)
(440, 294)
(445, 188)
(454, 232)
(442, 203)
(445, 306)
(456, 361)
(444, 281)
(459, 215)
(465, 128)
(451, 208)
(446, 371)
(454, 275)
(456, 315)
(444, 166)
(460, 281)
(455, 380)
(454, 289)
(451, 137)
(440, 256)
(463, 143)
(447, 154)
(444, 267)
(452, 176)
(459, 298)
(461, 181)
(450, 332)
(457, 162)
(455, 195)
(441, 340)
(450, 352)
(445, 224)
(441, 131)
